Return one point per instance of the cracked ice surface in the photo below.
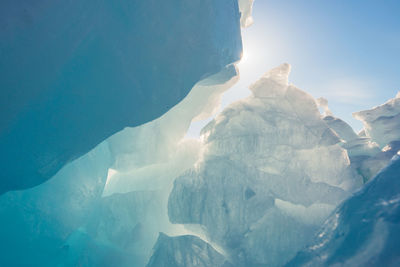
(268, 160)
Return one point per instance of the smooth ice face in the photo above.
(185, 251)
(271, 172)
(364, 230)
(76, 72)
(382, 123)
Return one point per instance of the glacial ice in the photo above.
(36, 223)
(149, 157)
(254, 190)
(372, 149)
(76, 72)
(364, 230)
(382, 126)
(184, 251)
(107, 207)
(270, 173)
(382, 123)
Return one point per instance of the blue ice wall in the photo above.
(75, 72)
(364, 230)
(45, 225)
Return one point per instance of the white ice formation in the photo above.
(271, 172)
(382, 123)
(372, 149)
(245, 7)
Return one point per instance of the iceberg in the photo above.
(100, 97)
(270, 173)
(74, 73)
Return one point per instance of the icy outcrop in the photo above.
(372, 149)
(185, 251)
(76, 72)
(271, 172)
(245, 7)
(382, 126)
(382, 123)
(364, 230)
(354, 144)
(359, 148)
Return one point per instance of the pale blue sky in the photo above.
(347, 51)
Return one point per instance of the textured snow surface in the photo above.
(76, 72)
(364, 230)
(271, 172)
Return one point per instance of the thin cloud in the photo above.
(349, 91)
